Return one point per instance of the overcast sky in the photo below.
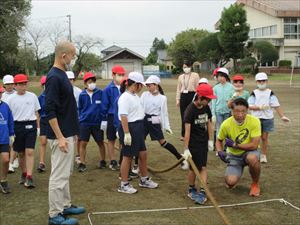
(131, 24)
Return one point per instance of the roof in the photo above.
(113, 54)
(277, 8)
(112, 48)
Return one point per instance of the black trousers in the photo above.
(185, 100)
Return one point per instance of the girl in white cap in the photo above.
(262, 101)
(156, 109)
(131, 132)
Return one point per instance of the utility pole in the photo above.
(70, 31)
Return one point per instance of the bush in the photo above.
(285, 63)
(176, 70)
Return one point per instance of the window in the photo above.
(273, 29)
(265, 31)
(258, 32)
(292, 28)
(251, 33)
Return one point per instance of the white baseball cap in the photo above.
(8, 79)
(261, 76)
(70, 75)
(136, 77)
(203, 80)
(153, 80)
(223, 70)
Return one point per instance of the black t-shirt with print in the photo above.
(198, 118)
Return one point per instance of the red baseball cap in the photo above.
(216, 71)
(205, 90)
(20, 78)
(1, 89)
(43, 80)
(118, 70)
(88, 75)
(238, 77)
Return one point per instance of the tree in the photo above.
(90, 61)
(156, 45)
(233, 32)
(12, 19)
(266, 52)
(209, 49)
(184, 46)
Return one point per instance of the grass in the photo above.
(97, 189)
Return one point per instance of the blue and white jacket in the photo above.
(110, 94)
(42, 101)
(6, 123)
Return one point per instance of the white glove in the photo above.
(214, 119)
(38, 131)
(285, 119)
(103, 125)
(186, 154)
(264, 107)
(117, 134)
(210, 145)
(11, 140)
(169, 131)
(127, 139)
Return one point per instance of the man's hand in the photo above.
(229, 142)
(103, 125)
(210, 145)
(11, 140)
(186, 154)
(169, 131)
(127, 139)
(63, 144)
(285, 119)
(222, 155)
(214, 119)
(177, 103)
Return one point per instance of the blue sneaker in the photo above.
(62, 220)
(74, 210)
(192, 193)
(200, 198)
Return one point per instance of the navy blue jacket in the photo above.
(90, 109)
(110, 94)
(61, 103)
(42, 104)
(6, 123)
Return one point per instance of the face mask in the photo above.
(91, 86)
(69, 66)
(186, 70)
(262, 86)
(239, 124)
(238, 88)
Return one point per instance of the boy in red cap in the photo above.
(239, 92)
(24, 106)
(198, 132)
(6, 140)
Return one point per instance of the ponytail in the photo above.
(124, 84)
(161, 91)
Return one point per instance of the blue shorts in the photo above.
(111, 129)
(236, 164)
(267, 125)
(136, 130)
(86, 131)
(4, 148)
(25, 133)
(154, 130)
(44, 126)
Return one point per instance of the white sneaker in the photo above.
(148, 183)
(11, 168)
(15, 163)
(263, 158)
(185, 165)
(127, 188)
(135, 169)
(77, 160)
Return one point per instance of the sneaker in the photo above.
(192, 193)
(73, 210)
(102, 164)
(4, 187)
(41, 168)
(128, 179)
(127, 188)
(15, 163)
(185, 165)
(263, 158)
(148, 183)
(81, 167)
(60, 219)
(114, 165)
(77, 159)
(254, 190)
(200, 198)
(22, 179)
(29, 183)
(135, 169)
(11, 168)
(132, 175)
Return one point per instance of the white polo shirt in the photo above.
(130, 105)
(24, 107)
(6, 94)
(77, 92)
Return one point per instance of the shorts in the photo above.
(236, 164)
(25, 133)
(4, 148)
(136, 130)
(154, 130)
(86, 131)
(199, 154)
(111, 129)
(44, 126)
(267, 125)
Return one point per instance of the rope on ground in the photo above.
(281, 200)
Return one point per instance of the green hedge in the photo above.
(285, 63)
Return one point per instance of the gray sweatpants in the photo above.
(61, 169)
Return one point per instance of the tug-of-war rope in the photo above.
(208, 192)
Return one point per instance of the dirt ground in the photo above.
(96, 189)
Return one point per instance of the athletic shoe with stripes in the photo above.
(4, 187)
(148, 183)
(127, 188)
